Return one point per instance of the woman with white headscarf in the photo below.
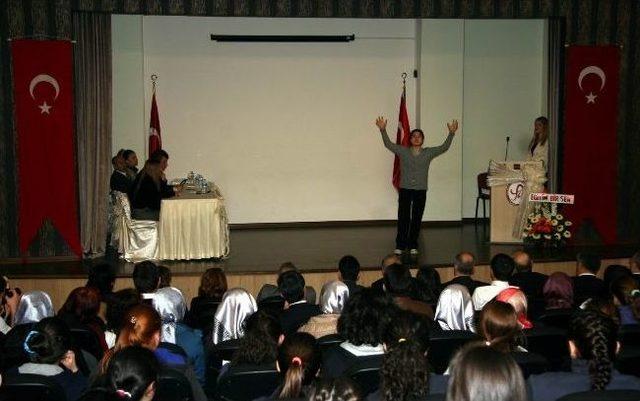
(33, 306)
(172, 307)
(333, 297)
(455, 309)
(237, 304)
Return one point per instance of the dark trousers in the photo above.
(410, 209)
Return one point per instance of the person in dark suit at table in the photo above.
(349, 268)
(586, 285)
(297, 310)
(119, 180)
(148, 190)
(463, 267)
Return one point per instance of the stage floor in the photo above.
(317, 249)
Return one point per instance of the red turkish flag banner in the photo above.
(590, 148)
(155, 140)
(43, 93)
(402, 136)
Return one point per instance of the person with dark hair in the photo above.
(481, 373)
(132, 375)
(400, 285)
(501, 268)
(148, 190)
(428, 285)
(614, 272)
(387, 261)
(49, 349)
(131, 163)
(593, 346)
(349, 268)
(271, 293)
(80, 310)
(4, 308)
(213, 285)
(103, 278)
(259, 345)
(362, 323)
(526, 279)
(119, 180)
(463, 269)
(117, 306)
(586, 285)
(340, 389)
(634, 266)
(499, 327)
(412, 194)
(558, 291)
(626, 297)
(538, 149)
(404, 374)
(297, 310)
(165, 276)
(161, 156)
(146, 277)
(299, 360)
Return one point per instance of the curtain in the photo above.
(555, 90)
(92, 64)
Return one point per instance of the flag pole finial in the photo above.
(404, 79)
(154, 78)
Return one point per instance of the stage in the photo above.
(257, 252)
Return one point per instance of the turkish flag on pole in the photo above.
(402, 136)
(155, 140)
(43, 93)
(590, 162)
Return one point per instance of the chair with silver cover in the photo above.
(134, 239)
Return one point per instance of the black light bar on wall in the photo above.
(283, 38)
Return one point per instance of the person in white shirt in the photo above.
(539, 145)
(502, 266)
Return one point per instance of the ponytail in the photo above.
(299, 361)
(293, 377)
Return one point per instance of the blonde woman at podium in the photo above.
(412, 194)
(539, 145)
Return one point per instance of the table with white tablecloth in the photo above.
(193, 226)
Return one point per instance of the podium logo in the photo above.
(514, 193)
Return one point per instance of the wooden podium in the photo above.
(505, 203)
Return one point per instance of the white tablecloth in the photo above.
(193, 226)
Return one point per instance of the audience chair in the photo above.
(246, 383)
(531, 363)
(329, 341)
(484, 194)
(273, 304)
(551, 343)
(27, 387)
(172, 385)
(558, 318)
(443, 346)
(134, 239)
(628, 360)
(87, 340)
(202, 315)
(608, 395)
(366, 373)
(225, 350)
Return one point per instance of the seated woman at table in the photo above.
(148, 190)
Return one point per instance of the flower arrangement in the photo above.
(546, 225)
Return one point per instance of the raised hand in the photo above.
(381, 123)
(453, 126)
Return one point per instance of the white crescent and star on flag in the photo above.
(44, 78)
(595, 70)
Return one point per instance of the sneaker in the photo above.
(397, 251)
(413, 251)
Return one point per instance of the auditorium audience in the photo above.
(593, 347)
(117, 306)
(634, 265)
(298, 362)
(30, 307)
(148, 190)
(390, 259)
(516, 298)
(525, 278)
(171, 306)
(333, 297)
(481, 373)
(428, 285)
(586, 285)
(270, 293)
(455, 309)
(498, 325)
(119, 180)
(146, 278)
(297, 311)
(213, 285)
(362, 323)
(463, 269)
(80, 310)
(349, 268)
(132, 375)
(404, 373)
(142, 326)
(501, 268)
(626, 296)
(236, 306)
(400, 285)
(612, 273)
(259, 345)
(340, 389)
(558, 292)
(48, 347)
(103, 278)
(131, 163)
(165, 276)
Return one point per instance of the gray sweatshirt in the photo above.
(415, 168)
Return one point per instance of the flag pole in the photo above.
(154, 78)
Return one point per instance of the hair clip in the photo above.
(487, 343)
(133, 320)
(296, 361)
(25, 344)
(401, 340)
(123, 394)
(635, 292)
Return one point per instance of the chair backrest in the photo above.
(329, 341)
(366, 373)
(121, 206)
(608, 395)
(87, 340)
(531, 363)
(274, 304)
(27, 387)
(558, 320)
(246, 383)
(483, 187)
(628, 360)
(443, 346)
(629, 335)
(202, 314)
(551, 343)
(173, 386)
(226, 349)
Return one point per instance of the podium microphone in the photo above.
(506, 150)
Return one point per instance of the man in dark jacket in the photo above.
(297, 311)
(463, 267)
(586, 285)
